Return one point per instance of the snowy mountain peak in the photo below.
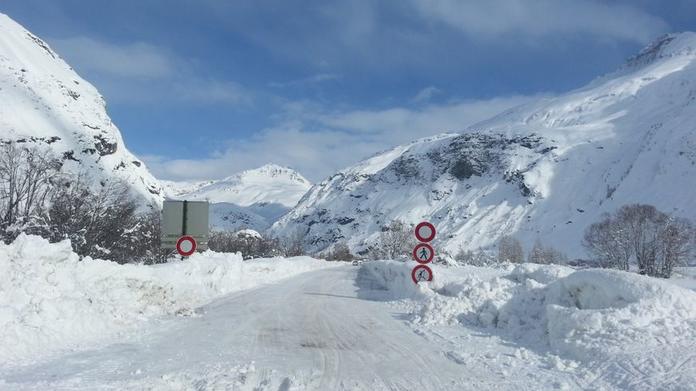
(249, 199)
(272, 171)
(668, 45)
(45, 104)
(268, 184)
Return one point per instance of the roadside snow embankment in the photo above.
(52, 300)
(585, 314)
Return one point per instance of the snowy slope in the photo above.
(44, 103)
(50, 300)
(259, 217)
(544, 170)
(270, 184)
(252, 199)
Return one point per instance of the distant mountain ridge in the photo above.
(44, 103)
(544, 170)
(270, 183)
(252, 199)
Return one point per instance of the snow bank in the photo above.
(685, 277)
(595, 312)
(51, 300)
(393, 279)
(584, 314)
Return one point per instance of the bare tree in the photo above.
(510, 250)
(293, 245)
(27, 179)
(676, 243)
(148, 248)
(340, 252)
(641, 234)
(536, 254)
(250, 246)
(478, 258)
(101, 223)
(545, 255)
(394, 242)
(608, 242)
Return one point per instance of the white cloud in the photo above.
(402, 125)
(317, 143)
(426, 94)
(137, 59)
(501, 18)
(141, 73)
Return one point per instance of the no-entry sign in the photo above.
(186, 245)
(423, 253)
(425, 232)
(421, 273)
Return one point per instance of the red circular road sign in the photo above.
(423, 253)
(421, 273)
(425, 232)
(186, 245)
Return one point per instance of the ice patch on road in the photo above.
(51, 300)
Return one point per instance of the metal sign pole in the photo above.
(184, 217)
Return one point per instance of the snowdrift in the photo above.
(584, 315)
(52, 300)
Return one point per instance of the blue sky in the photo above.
(203, 89)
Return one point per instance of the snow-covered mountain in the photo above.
(544, 170)
(252, 199)
(44, 103)
(267, 184)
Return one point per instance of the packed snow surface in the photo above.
(369, 327)
(51, 301)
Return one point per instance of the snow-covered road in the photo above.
(321, 330)
(318, 330)
(312, 331)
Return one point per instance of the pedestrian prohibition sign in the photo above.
(186, 245)
(421, 273)
(423, 253)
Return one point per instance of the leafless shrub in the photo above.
(478, 258)
(27, 181)
(642, 235)
(394, 242)
(148, 249)
(293, 245)
(250, 246)
(545, 255)
(101, 223)
(340, 252)
(510, 250)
